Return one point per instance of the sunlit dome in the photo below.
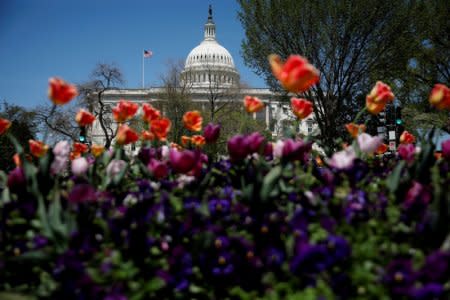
(209, 63)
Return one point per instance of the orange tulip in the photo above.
(382, 149)
(185, 140)
(150, 113)
(84, 118)
(198, 140)
(296, 75)
(253, 104)
(193, 120)
(97, 150)
(17, 160)
(124, 111)
(4, 125)
(37, 148)
(379, 96)
(176, 146)
(355, 129)
(440, 96)
(302, 108)
(61, 92)
(160, 128)
(147, 135)
(126, 135)
(74, 155)
(80, 147)
(407, 138)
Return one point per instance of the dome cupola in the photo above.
(209, 63)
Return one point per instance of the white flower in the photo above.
(79, 166)
(343, 159)
(115, 167)
(61, 149)
(165, 150)
(184, 179)
(369, 144)
(278, 149)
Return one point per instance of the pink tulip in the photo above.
(369, 144)
(182, 161)
(158, 169)
(79, 166)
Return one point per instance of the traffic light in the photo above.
(398, 116)
(83, 137)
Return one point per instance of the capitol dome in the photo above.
(209, 64)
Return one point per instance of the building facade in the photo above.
(209, 68)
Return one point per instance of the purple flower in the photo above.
(219, 206)
(308, 259)
(16, 180)
(158, 169)
(446, 149)
(436, 267)
(400, 277)
(296, 150)
(429, 291)
(417, 198)
(237, 147)
(211, 132)
(407, 152)
(82, 193)
(183, 161)
(254, 143)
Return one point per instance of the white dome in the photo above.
(210, 63)
(209, 52)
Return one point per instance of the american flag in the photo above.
(148, 53)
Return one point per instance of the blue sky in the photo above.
(45, 38)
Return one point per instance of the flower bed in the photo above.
(270, 221)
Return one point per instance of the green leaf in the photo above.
(269, 182)
(393, 180)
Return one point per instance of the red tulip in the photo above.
(61, 92)
(382, 149)
(253, 104)
(407, 138)
(198, 140)
(193, 120)
(80, 148)
(84, 118)
(355, 129)
(379, 96)
(302, 108)
(124, 110)
(4, 125)
(296, 75)
(160, 128)
(126, 135)
(440, 96)
(37, 148)
(150, 113)
(147, 135)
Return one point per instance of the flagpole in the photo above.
(142, 53)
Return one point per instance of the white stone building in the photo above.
(210, 66)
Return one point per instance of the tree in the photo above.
(352, 43)
(60, 125)
(104, 77)
(175, 98)
(23, 128)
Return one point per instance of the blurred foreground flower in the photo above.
(160, 128)
(407, 138)
(192, 120)
(253, 104)
(211, 132)
(440, 96)
(126, 135)
(115, 167)
(369, 144)
(355, 129)
(296, 75)
(343, 159)
(4, 125)
(37, 148)
(446, 149)
(61, 92)
(150, 113)
(84, 118)
(183, 161)
(302, 108)
(124, 111)
(379, 96)
(79, 166)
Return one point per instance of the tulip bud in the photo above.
(79, 166)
